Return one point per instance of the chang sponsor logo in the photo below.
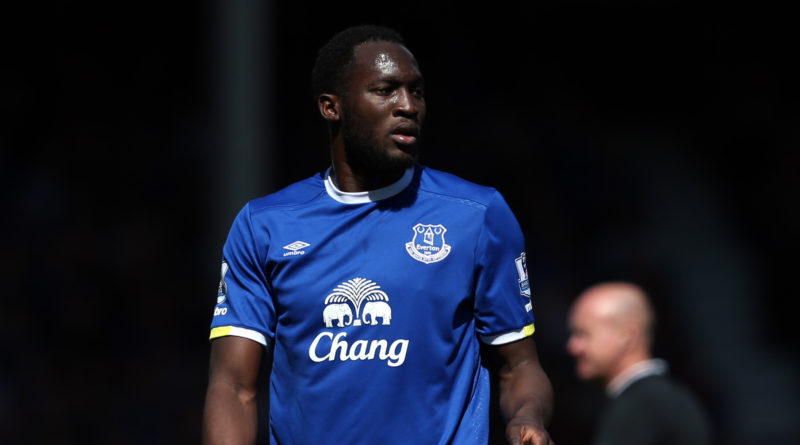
(357, 302)
(329, 347)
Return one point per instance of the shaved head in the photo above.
(611, 328)
(625, 304)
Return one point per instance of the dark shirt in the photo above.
(654, 410)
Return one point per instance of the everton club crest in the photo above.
(428, 244)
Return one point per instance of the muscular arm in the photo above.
(230, 410)
(526, 397)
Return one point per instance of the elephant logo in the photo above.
(337, 311)
(355, 293)
(427, 245)
(357, 302)
(375, 309)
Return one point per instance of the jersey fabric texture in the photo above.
(375, 303)
(654, 410)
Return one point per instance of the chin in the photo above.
(387, 157)
(407, 161)
(586, 374)
(400, 160)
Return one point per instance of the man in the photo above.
(611, 337)
(372, 283)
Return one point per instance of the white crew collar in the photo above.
(633, 373)
(368, 196)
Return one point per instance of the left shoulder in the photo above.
(448, 185)
(660, 388)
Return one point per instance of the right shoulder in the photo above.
(294, 195)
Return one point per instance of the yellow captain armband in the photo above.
(224, 331)
(529, 330)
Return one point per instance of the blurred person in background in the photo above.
(373, 317)
(611, 336)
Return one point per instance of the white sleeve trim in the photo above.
(508, 337)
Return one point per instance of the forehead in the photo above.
(384, 59)
(588, 313)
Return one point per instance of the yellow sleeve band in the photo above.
(529, 330)
(224, 331)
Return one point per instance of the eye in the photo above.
(383, 91)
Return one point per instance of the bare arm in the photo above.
(526, 397)
(230, 410)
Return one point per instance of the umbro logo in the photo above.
(295, 248)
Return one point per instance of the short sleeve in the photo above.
(502, 295)
(245, 307)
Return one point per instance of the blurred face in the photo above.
(383, 109)
(596, 342)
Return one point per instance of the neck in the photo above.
(626, 362)
(350, 179)
(635, 371)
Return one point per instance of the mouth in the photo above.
(405, 134)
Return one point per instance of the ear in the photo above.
(330, 107)
(627, 338)
(631, 337)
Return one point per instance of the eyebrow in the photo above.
(420, 80)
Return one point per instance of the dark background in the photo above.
(647, 141)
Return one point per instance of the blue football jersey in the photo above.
(375, 303)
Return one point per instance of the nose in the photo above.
(408, 104)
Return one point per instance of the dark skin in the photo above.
(375, 128)
(384, 107)
(526, 397)
(230, 410)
